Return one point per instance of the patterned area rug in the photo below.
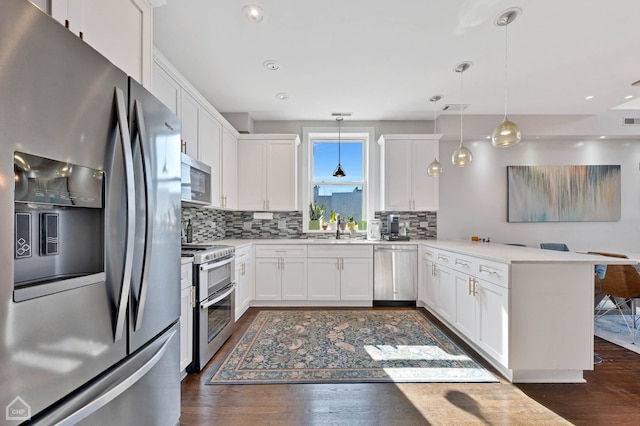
(612, 328)
(346, 347)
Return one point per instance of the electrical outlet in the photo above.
(282, 224)
(247, 225)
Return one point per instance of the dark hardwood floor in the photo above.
(611, 396)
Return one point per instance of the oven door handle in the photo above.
(208, 303)
(212, 265)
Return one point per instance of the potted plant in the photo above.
(333, 218)
(351, 224)
(316, 213)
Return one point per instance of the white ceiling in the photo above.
(384, 59)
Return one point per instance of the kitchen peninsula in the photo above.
(529, 312)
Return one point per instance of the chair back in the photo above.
(554, 246)
(620, 280)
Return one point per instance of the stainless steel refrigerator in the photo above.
(90, 234)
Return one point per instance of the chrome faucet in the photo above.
(338, 228)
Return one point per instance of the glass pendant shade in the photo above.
(435, 168)
(506, 134)
(461, 156)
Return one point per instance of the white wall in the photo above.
(473, 200)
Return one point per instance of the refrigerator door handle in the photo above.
(109, 387)
(123, 127)
(139, 308)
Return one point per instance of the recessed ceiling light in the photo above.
(589, 97)
(488, 137)
(253, 12)
(282, 96)
(602, 137)
(271, 65)
(628, 97)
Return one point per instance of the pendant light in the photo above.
(462, 156)
(507, 133)
(339, 172)
(435, 168)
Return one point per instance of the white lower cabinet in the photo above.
(427, 278)
(245, 290)
(340, 273)
(187, 300)
(466, 301)
(356, 279)
(475, 307)
(492, 310)
(294, 285)
(323, 279)
(471, 296)
(281, 272)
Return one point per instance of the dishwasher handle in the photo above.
(396, 248)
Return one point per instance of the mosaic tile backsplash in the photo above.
(212, 224)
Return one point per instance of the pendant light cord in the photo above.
(506, 49)
(461, 104)
(435, 126)
(339, 142)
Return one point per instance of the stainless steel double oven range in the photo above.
(214, 312)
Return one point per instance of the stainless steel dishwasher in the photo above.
(395, 274)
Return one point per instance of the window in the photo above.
(343, 195)
(352, 195)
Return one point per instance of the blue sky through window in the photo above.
(325, 160)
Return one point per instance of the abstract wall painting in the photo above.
(563, 193)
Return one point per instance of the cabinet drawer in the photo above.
(445, 258)
(281, 250)
(243, 254)
(338, 250)
(494, 272)
(429, 253)
(464, 263)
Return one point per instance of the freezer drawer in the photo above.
(395, 273)
(142, 390)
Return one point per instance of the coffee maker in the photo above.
(393, 229)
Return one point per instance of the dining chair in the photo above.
(621, 285)
(554, 246)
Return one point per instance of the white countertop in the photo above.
(515, 254)
(243, 242)
(491, 251)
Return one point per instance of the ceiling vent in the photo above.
(455, 107)
(631, 122)
(341, 114)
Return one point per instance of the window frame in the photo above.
(329, 134)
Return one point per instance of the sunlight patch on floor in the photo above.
(411, 352)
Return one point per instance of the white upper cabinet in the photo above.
(189, 116)
(166, 88)
(267, 172)
(121, 30)
(206, 135)
(210, 151)
(404, 181)
(229, 170)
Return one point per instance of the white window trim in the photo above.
(366, 134)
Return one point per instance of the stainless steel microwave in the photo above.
(196, 181)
